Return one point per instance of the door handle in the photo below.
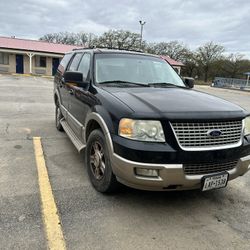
(71, 91)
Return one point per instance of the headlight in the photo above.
(141, 130)
(247, 126)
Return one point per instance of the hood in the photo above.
(176, 103)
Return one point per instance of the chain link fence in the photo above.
(231, 83)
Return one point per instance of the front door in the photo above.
(81, 99)
(67, 89)
(55, 64)
(19, 64)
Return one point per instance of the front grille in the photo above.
(195, 134)
(208, 168)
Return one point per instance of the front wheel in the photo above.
(98, 163)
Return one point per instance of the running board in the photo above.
(77, 143)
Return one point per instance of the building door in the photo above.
(55, 64)
(19, 64)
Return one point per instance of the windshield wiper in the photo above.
(123, 83)
(164, 84)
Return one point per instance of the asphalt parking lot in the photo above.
(130, 219)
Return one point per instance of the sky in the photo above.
(193, 22)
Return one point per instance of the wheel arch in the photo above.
(92, 125)
(95, 121)
(57, 97)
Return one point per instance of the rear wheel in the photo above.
(58, 117)
(98, 163)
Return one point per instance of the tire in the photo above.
(98, 163)
(58, 117)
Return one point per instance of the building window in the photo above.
(41, 61)
(4, 58)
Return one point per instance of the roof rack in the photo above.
(106, 47)
(81, 48)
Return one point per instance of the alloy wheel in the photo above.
(97, 160)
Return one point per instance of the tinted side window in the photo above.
(64, 62)
(75, 62)
(84, 65)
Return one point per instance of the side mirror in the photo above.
(75, 77)
(189, 81)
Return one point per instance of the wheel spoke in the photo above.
(96, 147)
(101, 152)
(92, 159)
(102, 167)
(97, 175)
(97, 160)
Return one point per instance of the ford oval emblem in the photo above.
(214, 133)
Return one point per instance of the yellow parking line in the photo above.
(16, 74)
(49, 210)
(47, 76)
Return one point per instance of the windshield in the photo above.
(130, 68)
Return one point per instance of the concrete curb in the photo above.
(237, 89)
(27, 75)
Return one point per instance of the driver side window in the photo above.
(75, 62)
(84, 65)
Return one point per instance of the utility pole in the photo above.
(141, 23)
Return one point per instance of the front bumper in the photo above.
(171, 176)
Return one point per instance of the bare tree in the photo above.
(80, 38)
(119, 39)
(208, 54)
(232, 65)
(190, 61)
(61, 37)
(173, 49)
(206, 61)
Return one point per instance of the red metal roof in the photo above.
(34, 45)
(172, 61)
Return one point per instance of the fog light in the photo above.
(147, 172)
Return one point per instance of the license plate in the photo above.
(214, 181)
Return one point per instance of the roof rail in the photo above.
(106, 47)
(80, 48)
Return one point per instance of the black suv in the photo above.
(142, 125)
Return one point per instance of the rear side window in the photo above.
(75, 62)
(64, 62)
